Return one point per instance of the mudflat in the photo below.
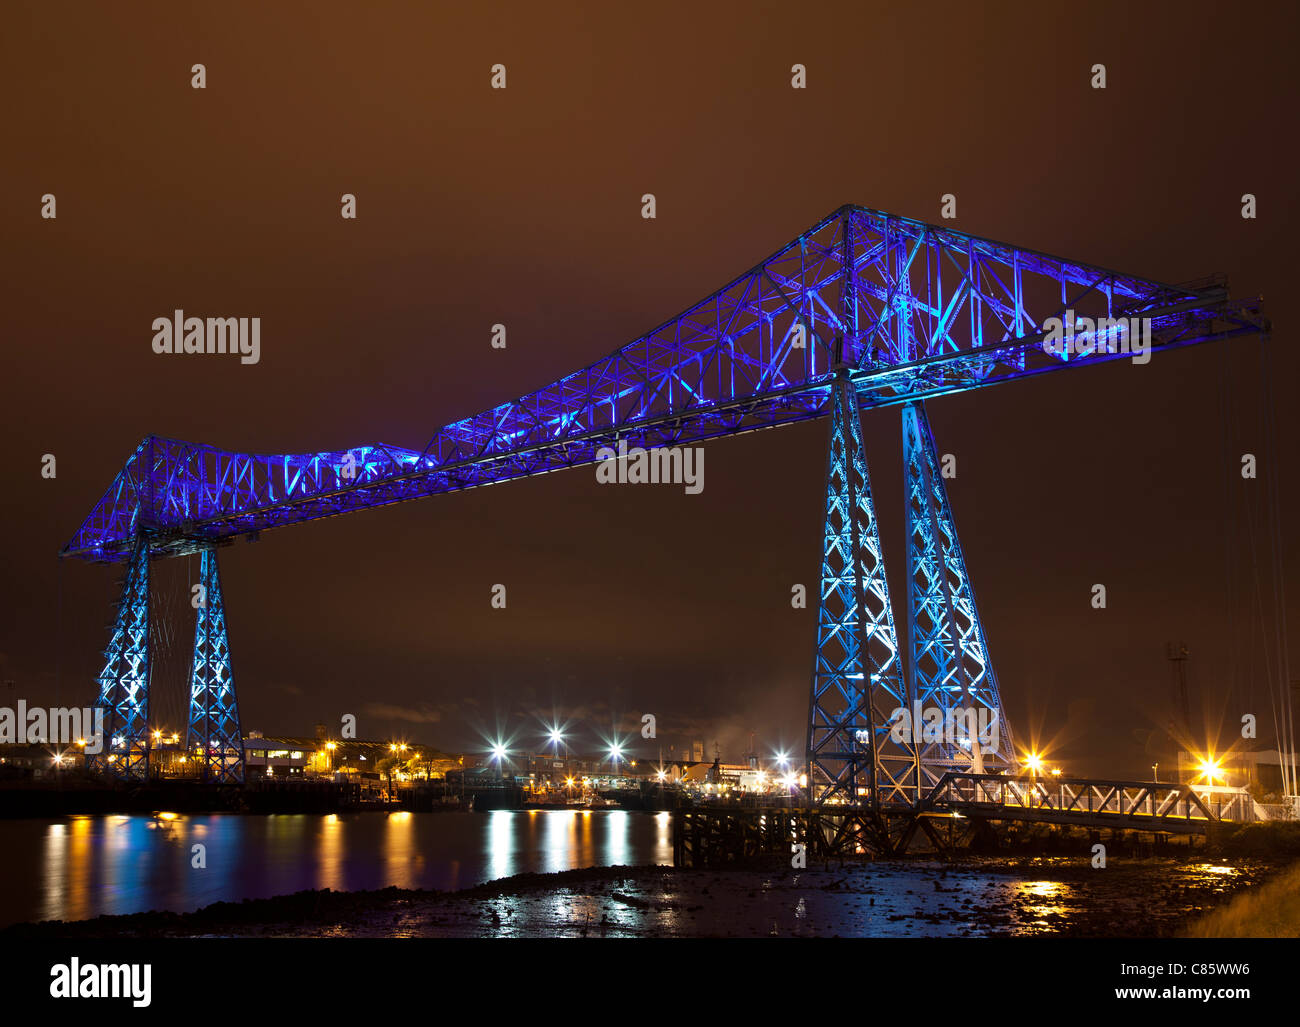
(908, 898)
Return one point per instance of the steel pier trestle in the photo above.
(958, 806)
(864, 309)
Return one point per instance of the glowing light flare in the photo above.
(1211, 769)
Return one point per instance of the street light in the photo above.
(615, 754)
(499, 756)
(556, 737)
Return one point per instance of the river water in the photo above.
(76, 868)
(73, 868)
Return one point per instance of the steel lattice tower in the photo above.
(950, 668)
(857, 682)
(124, 682)
(214, 716)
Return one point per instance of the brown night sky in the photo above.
(522, 206)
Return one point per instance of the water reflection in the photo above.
(400, 850)
(561, 839)
(77, 867)
(1046, 901)
(501, 843)
(330, 849)
(616, 840)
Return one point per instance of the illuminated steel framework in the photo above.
(213, 731)
(857, 680)
(880, 309)
(919, 311)
(124, 682)
(213, 735)
(952, 677)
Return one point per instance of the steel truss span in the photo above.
(908, 310)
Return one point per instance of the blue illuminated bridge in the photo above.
(863, 310)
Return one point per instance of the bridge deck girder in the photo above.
(911, 310)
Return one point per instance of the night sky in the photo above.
(522, 206)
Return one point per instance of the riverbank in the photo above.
(1270, 911)
(972, 898)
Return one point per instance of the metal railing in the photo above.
(1065, 799)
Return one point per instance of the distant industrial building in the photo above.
(271, 756)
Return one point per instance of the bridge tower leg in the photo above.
(857, 679)
(124, 681)
(951, 671)
(213, 727)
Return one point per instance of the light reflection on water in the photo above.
(83, 866)
(77, 867)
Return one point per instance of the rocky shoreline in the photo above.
(1039, 896)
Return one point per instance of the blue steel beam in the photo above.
(910, 310)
